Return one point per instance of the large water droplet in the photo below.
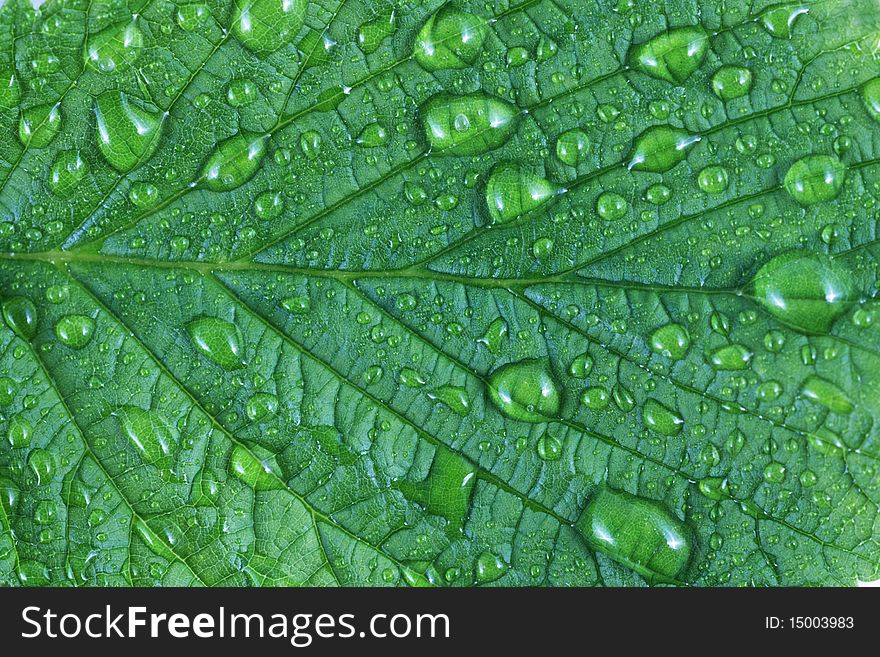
(262, 405)
(572, 147)
(525, 391)
(815, 178)
(468, 125)
(671, 340)
(672, 55)
(639, 533)
(257, 474)
(732, 357)
(128, 129)
(511, 192)
(804, 290)
(20, 315)
(489, 567)
(871, 98)
(455, 398)
(218, 340)
(149, 433)
(374, 135)
(730, 82)
(66, 172)
(234, 162)
(264, 26)
(661, 419)
(659, 148)
(450, 39)
(371, 34)
(115, 48)
(39, 125)
(493, 338)
(20, 430)
(75, 331)
(779, 20)
(827, 394)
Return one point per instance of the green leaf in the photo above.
(538, 293)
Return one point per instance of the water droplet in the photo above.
(672, 55)
(549, 447)
(639, 533)
(580, 366)
(715, 488)
(8, 388)
(261, 406)
(542, 248)
(455, 398)
(42, 464)
(372, 33)
(671, 340)
(192, 15)
(39, 125)
(871, 97)
(713, 180)
(511, 192)
(779, 20)
(450, 39)
(264, 26)
(297, 305)
(658, 194)
(75, 331)
(149, 433)
(20, 430)
(489, 567)
(815, 178)
(218, 340)
(115, 48)
(269, 205)
(67, 171)
(373, 135)
(731, 82)
(595, 398)
(20, 315)
(623, 398)
(732, 357)
(659, 148)
(256, 474)
(525, 391)
(128, 129)
(234, 162)
(472, 124)
(661, 419)
(774, 473)
(241, 93)
(10, 90)
(411, 378)
(611, 206)
(143, 194)
(493, 338)
(827, 394)
(572, 147)
(806, 291)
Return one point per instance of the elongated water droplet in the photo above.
(264, 26)
(525, 391)
(828, 395)
(39, 125)
(218, 340)
(42, 464)
(468, 125)
(373, 135)
(297, 305)
(661, 419)
(234, 162)
(75, 331)
(372, 33)
(549, 447)
(455, 398)
(732, 357)
(511, 192)
(257, 474)
(715, 488)
(731, 82)
(20, 430)
(20, 315)
(450, 39)
(10, 89)
(67, 171)
(581, 365)
(672, 55)
(128, 129)
(115, 48)
(815, 178)
(623, 398)
(806, 291)
(447, 489)
(659, 148)
(639, 533)
(493, 338)
(871, 98)
(411, 378)
(671, 340)
(152, 436)
(779, 20)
